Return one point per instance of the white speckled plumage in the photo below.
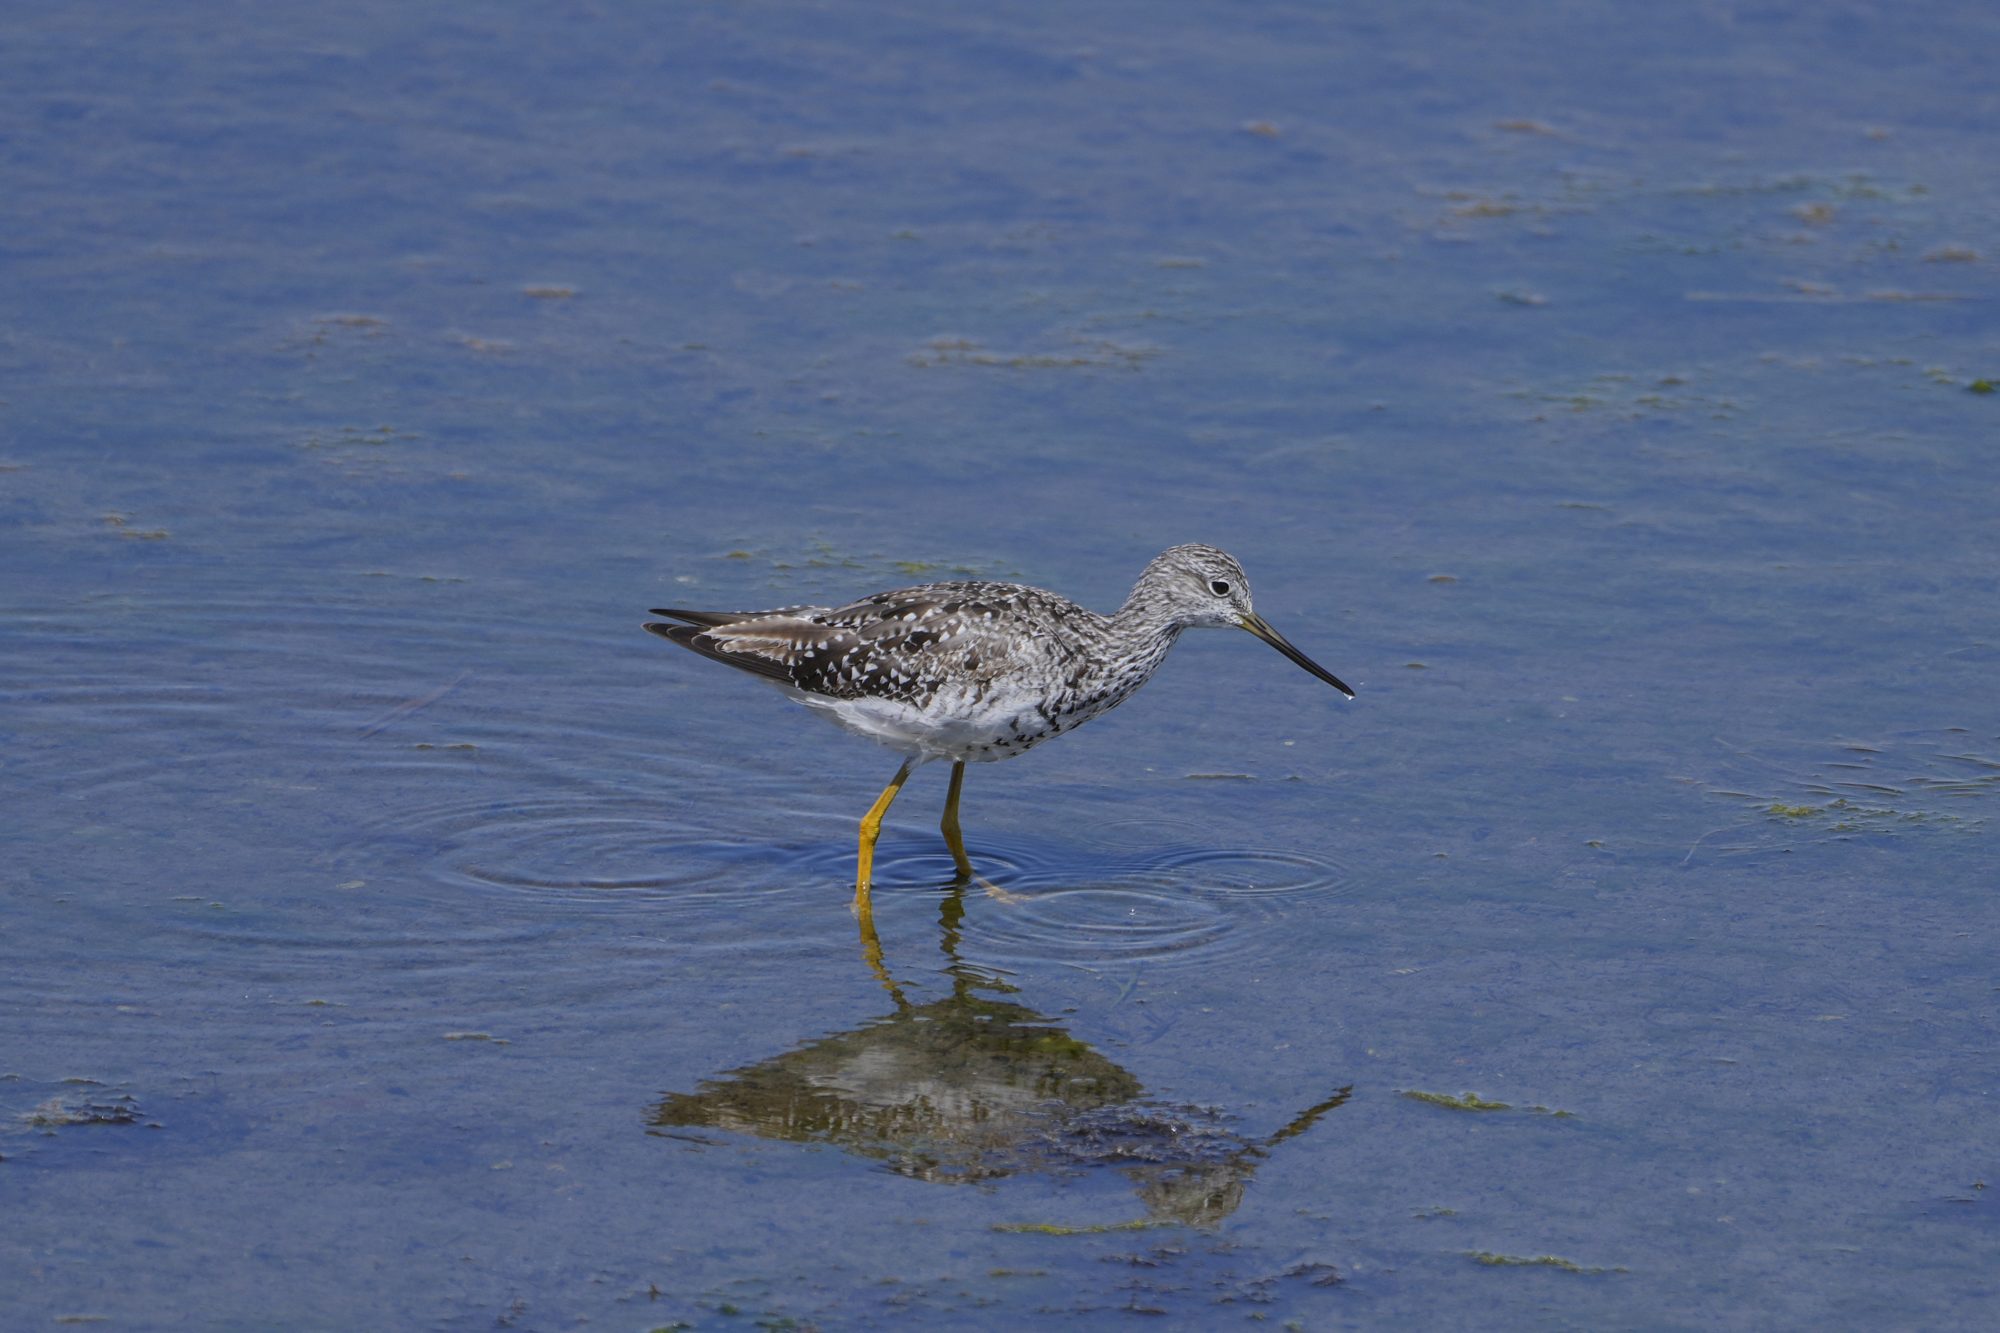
(974, 671)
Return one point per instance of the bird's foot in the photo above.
(998, 894)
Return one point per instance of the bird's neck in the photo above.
(1141, 633)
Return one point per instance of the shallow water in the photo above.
(392, 935)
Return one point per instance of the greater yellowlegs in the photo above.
(974, 672)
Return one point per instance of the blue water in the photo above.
(392, 935)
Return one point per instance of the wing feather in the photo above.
(899, 645)
(726, 617)
(722, 649)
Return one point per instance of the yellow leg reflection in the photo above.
(952, 837)
(871, 953)
(871, 829)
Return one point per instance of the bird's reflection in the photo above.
(975, 1086)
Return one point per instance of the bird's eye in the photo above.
(1219, 587)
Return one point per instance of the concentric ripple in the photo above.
(1251, 872)
(918, 862)
(1061, 904)
(1107, 924)
(588, 851)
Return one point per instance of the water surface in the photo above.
(393, 935)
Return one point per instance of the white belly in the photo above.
(953, 725)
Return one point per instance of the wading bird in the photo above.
(974, 672)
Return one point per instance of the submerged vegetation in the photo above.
(1853, 789)
(1465, 1101)
(1472, 1101)
(1492, 1260)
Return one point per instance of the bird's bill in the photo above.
(1258, 626)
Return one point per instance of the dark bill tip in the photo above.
(1258, 626)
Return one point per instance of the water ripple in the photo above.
(1107, 923)
(1057, 904)
(455, 782)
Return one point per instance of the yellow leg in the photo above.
(956, 841)
(952, 838)
(871, 828)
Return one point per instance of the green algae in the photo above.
(1466, 1101)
